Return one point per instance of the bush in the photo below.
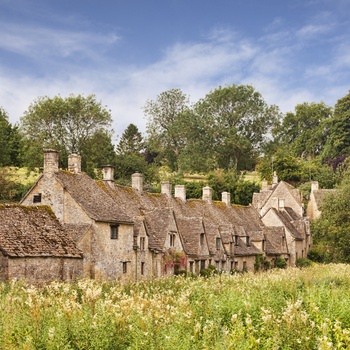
(280, 263)
(303, 262)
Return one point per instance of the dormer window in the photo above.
(218, 243)
(236, 239)
(37, 198)
(172, 239)
(114, 231)
(202, 239)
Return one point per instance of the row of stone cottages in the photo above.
(70, 226)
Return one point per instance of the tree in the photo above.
(66, 124)
(131, 141)
(338, 142)
(305, 132)
(239, 120)
(331, 232)
(5, 137)
(165, 125)
(130, 154)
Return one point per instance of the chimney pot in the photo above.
(137, 181)
(74, 163)
(207, 194)
(180, 192)
(50, 161)
(166, 188)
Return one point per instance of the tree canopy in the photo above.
(66, 124)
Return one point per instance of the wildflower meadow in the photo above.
(280, 309)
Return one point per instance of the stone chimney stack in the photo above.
(314, 186)
(74, 163)
(281, 203)
(137, 181)
(108, 174)
(50, 161)
(226, 198)
(207, 194)
(274, 178)
(180, 192)
(264, 185)
(166, 188)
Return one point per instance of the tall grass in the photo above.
(281, 309)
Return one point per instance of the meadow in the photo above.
(280, 309)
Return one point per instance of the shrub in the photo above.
(303, 262)
(280, 263)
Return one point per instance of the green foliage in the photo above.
(305, 132)
(338, 142)
(261, 263)
(70, 125)
(292, 309)
(331, 232)
(280, 263)
(303, 262)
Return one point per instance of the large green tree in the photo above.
(66, 124)
(239, 121)
(305, 131)
(166, 125)
(338, 142)
(331, 232)
(130, 154)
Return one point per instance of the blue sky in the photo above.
(128, 51)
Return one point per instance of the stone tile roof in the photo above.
(190, 229)
(76, 231)
(286, 221)
(91, 197)
(34, 232)
(274, 240)
(241, 249)
(212, 232)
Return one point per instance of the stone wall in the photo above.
(39, 270)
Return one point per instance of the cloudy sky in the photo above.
(128, 51)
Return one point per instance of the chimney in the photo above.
(166, 188)
(50, 160)
(74, 163)
(137, 181)
(281, 203)
(274, 178)
(180, 192)
(108, 174)
(264, 185)
(207, 194)
(314, 186)
(226, 198)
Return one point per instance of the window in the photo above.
(142, 268)
(125, 267)
(236, 240)
(114, 231)
(142, 243)
(263, 245)
(37, 198)
(217, 265)
(247, 241)
(191, 266)
(202, 264)
(244, 266)
(218, 243)
(172, 239)
(202, 239)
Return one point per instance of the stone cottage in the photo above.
(281, 205)
(127, 233)
(34, 246)
(317, 195)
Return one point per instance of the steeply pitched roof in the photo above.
(286, 220)
(190, 229)
(91, 197)
(34, 232)
(274, 240)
